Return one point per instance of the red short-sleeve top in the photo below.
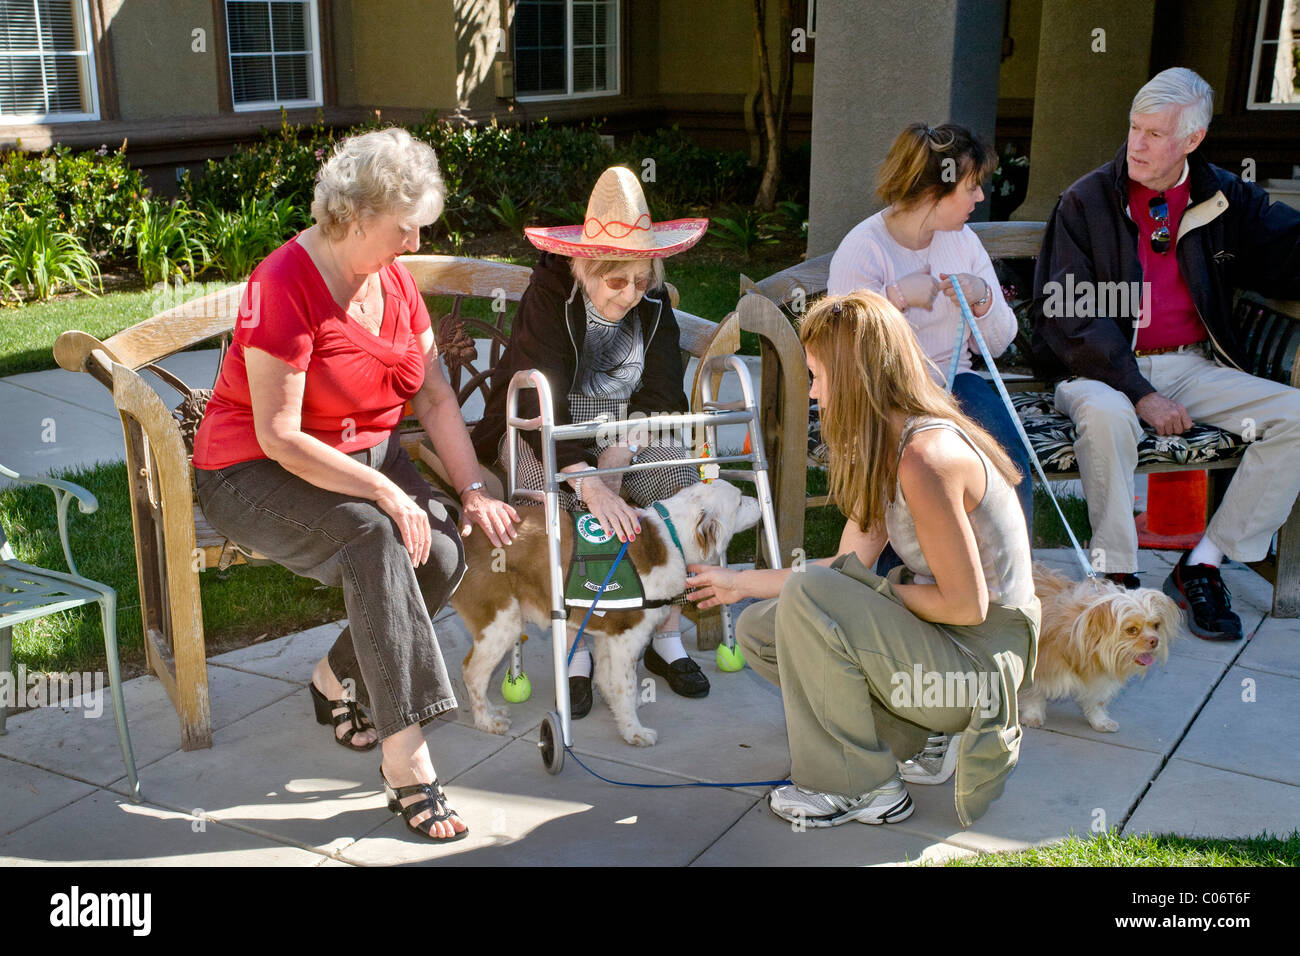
(357, 383)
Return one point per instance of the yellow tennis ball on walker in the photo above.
(730, 659)
(516, 691)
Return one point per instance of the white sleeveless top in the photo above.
(997, 523)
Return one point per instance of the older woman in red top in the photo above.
(298, 458)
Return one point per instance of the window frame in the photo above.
(317, 54)
(617, 89)
(90, 73)
(1256, 54)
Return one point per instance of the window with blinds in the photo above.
(274, 53)
(47, 65)
(566, 48)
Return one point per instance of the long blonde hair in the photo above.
(874, 368)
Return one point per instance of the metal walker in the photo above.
(556, 729)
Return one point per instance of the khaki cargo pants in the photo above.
(849, 659)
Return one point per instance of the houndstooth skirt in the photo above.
(640, 487)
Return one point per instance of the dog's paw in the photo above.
(1032, 715)
(495, 720)
(642, 737)
(1101, 723)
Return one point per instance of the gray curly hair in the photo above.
(385, 171)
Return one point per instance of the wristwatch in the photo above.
(988, 294)
(577, 488)
(472, 486)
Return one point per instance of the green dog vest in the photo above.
(594, 551)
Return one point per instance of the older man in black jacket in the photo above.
(1132, 297)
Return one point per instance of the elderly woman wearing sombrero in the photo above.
(596, 321)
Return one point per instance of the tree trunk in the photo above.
(776, 103)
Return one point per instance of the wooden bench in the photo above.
(173, 542)
(1272, 340)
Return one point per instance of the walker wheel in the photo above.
(552, 743)
(730, 659)
(518, 690)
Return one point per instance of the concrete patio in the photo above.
(1196, 753)
(1201, 748)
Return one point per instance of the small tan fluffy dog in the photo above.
(494, 604)
(1093, 639)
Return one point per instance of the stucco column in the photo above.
(878, 67)
(1086, 81)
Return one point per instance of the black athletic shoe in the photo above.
(1199, 590)
(684, 676)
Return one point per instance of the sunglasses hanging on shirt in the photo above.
(1158, 208)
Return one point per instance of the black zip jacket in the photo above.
(1230, 237)
(549, 328)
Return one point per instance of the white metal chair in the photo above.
(28, 593)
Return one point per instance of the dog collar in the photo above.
(663, 513)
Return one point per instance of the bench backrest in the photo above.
(438, 277)
(1002, 240)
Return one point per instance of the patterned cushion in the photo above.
(1053, 436)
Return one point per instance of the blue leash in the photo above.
(672, 786)
(968, 319)
(577, 638)
(623, 783)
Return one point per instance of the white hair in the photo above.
(1179, 87)
(384, 171)
(589, 271)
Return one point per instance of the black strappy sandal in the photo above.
(434, 799)
(325, 715)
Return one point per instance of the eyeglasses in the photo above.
(619, 283)
(1158, 208)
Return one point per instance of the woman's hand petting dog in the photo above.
(709, 585)
(496, 517)
(614, 514)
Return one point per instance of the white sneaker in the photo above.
(889, 803)
(935, 763)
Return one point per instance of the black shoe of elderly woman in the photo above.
(684, 676)
(579, 697)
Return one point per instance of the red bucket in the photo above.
(1176, 506)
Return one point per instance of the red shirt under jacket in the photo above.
(1173, 318)
(357, 383)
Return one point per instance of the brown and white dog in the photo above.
(1093, 639)
(494, 604)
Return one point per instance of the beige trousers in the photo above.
(1262, 491)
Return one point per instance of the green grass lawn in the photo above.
(238, 604)
(27, 334)
(1145, 849)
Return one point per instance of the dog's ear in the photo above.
(1094, 625)
(708, 532)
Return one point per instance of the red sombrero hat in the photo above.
(618, 226)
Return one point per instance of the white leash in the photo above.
(968, 319)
